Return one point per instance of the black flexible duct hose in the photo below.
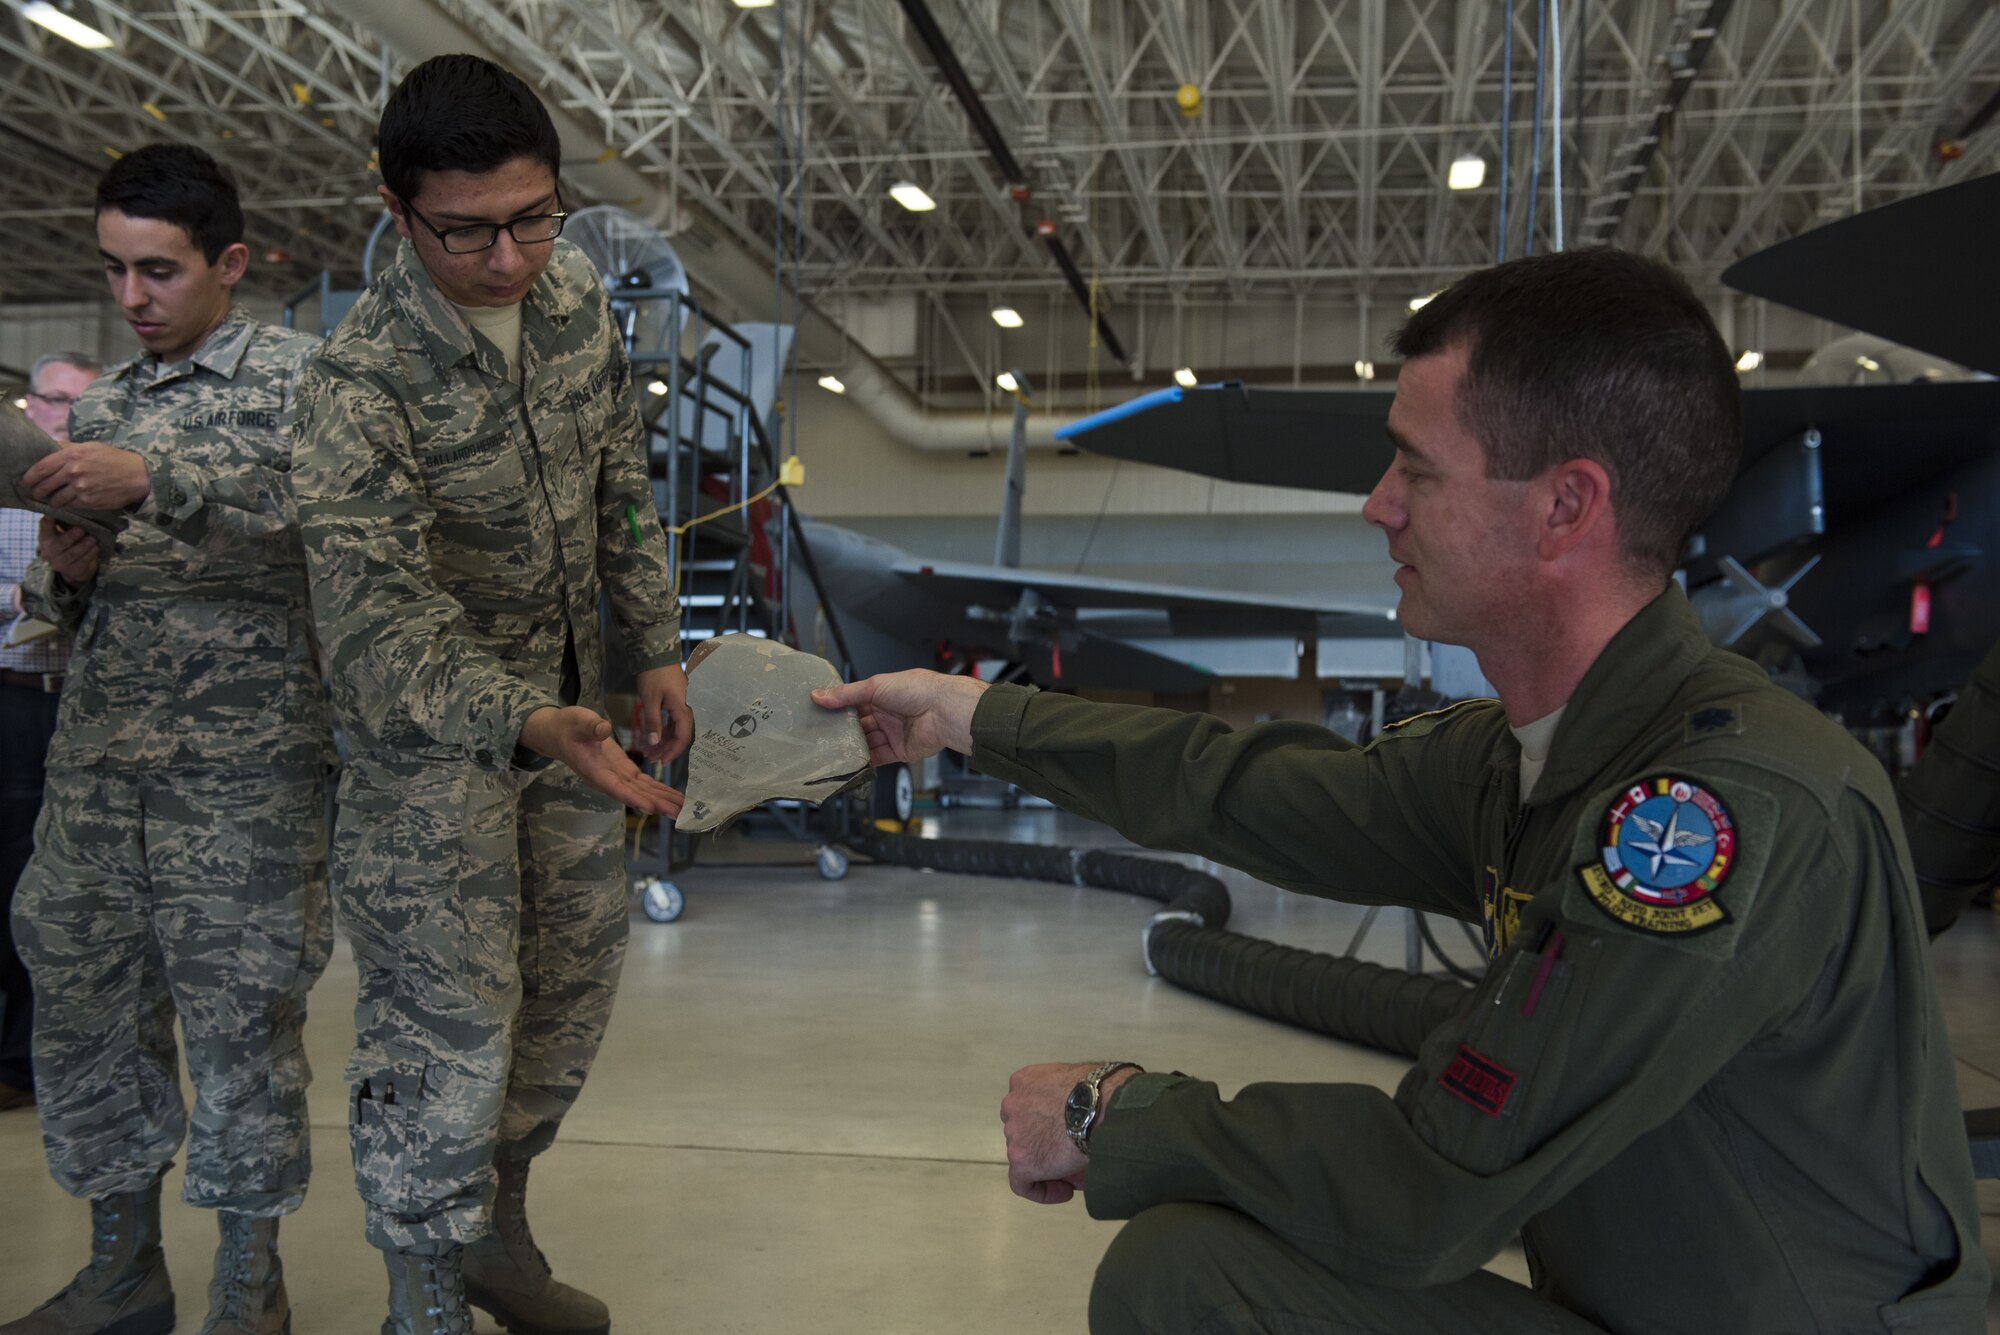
(1185, 944)
(1341, 998)
(1181, 888)
(1458, 971)
(1951, 801)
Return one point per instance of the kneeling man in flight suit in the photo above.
(1705, 1076)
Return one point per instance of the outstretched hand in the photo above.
(581, 739)
(907, 716)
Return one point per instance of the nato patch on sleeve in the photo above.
(1667, 846)
(1677, 862)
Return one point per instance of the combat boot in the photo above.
(427, 1292)
(507, 1276)
(247, 1295)
(124, 1290)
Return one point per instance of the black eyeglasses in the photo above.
(538, 229)
(55, 400)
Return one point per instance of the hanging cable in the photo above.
(1535, 155)
(1582, 54)
(1506, 120)
(743, 504)
(798, 244)
(1556, 115)
(778, 204)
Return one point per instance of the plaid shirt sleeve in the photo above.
(18, 529)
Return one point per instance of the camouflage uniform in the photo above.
(461, 528)
(180, 860)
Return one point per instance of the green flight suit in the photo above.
(1705, 1077)
(462, 526)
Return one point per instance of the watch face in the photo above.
(1077, 1107)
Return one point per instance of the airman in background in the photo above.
(180, 862)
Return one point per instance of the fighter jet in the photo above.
(1062, 628)
(1847, 556)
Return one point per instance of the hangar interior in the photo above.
(792, 1125)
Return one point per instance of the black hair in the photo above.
(461, 113)
(179, 184)
(1596, 354)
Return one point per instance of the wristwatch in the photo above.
(1081, 1108)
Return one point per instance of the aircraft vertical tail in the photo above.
(1007, 543)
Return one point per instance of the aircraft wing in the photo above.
(1878, 440)
(1920, 272)
(1002, 584)
(1316, 439)
(1084, 630)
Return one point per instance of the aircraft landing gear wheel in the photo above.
(895, 794)
(832, 863)
(661, 900)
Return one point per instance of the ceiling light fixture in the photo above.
(1468, 172)
(63, 26)
(831, 384)
(912, 197)
(755, 4)
(1750, 360)
(1007, 381)
(1867, 363)
(1185, 377)
(1418, 303)
(657, 387)
(1364, 370)
(1007, 317)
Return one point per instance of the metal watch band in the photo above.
(1098, 1075)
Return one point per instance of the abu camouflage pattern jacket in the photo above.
(194, 644)
(461, 526)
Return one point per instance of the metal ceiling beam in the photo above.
(1112, 120)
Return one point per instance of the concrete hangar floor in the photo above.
(793, 1126)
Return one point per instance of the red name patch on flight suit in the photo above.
(1484, 1084)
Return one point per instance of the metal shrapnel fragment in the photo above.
(22, 446)
(758, 735)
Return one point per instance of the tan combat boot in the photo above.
(124, 1290)
(427, 1292)
(506, 1275)
(247, 1295)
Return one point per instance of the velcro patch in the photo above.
(1479, 1081)
(1668, 845)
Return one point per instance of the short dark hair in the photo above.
(180, 184)
(1596, 354)
(461, 113)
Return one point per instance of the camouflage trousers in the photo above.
(192, 892)
(488, 917)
